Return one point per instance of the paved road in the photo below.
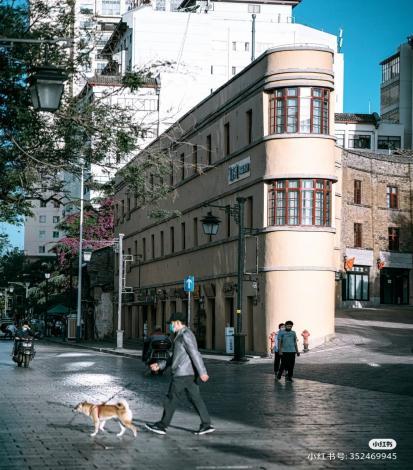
(359, 388)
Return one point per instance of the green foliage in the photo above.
(36, 147)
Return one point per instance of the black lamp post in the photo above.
(47, 277)
(46, 86)
(210, 225)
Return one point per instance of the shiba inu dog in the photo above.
(101, 413)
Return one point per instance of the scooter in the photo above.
(23, 351)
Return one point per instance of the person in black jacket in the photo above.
(186, 365)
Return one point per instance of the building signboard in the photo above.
(239, 171)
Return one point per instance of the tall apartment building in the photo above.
(205, 43)
(396, 89)
(266, 136)
(95, 20)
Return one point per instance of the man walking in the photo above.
(186, 365)
(287, 350)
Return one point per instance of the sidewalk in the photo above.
(132, 348)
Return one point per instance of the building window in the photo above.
(234, 46)
(357, 192)
(153, 246)
(254, 8)
(246, 46)
(340, 140)
(55, 234)
(42, 219)
(388, 142)
(123, 209)
(56, 204)
(390, 95)
(394, 238)
(299, 109)
(42, 235)
(195, 158)
(56, 219)
(135, 248)
(356, 284)
(249, 126)
(110, 7)
(171, 173)
(172, 239)
(143, 249)
(42, 249)
(233, 70)
(43, 204)
(392, 197)
(128, 207)
(227, 139)
(300, 202)
(162, 244)
(359, 141)
(195, 231)
(182, 166)
(209, 149)
(358, 235)
(183, 236)
(390, 69)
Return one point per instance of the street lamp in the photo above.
(87, 255)
(47, 277)
(46, 85)
(210, 225)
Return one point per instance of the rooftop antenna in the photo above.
(340, 40)
(369, 107)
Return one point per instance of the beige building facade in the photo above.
(266, 136)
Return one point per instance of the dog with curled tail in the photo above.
(101, 413)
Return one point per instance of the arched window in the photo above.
(299, 109)
(300, 202)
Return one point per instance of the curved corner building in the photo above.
(265, 136)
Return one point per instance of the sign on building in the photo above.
(239, 171)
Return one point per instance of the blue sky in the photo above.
(373, 29)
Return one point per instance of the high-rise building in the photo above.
(396, 89)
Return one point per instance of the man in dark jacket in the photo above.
(186, 366)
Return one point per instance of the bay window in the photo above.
(300, 202)
(299, 109)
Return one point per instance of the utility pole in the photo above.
(119, 332)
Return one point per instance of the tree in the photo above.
(98, 228)
(35, 147)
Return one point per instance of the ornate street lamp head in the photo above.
(210, 224)
(46, 85)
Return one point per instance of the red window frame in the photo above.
(286, 189)
(276, 97)
(392, 197)
(394, 238)
(357, 191)
(358, 235)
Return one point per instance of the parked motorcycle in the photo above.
(157, 350)
(23, 351)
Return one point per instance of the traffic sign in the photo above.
(189, 283)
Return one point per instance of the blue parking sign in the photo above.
(189, 283)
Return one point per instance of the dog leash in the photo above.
(117, 393)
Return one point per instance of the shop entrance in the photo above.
(394, 286)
